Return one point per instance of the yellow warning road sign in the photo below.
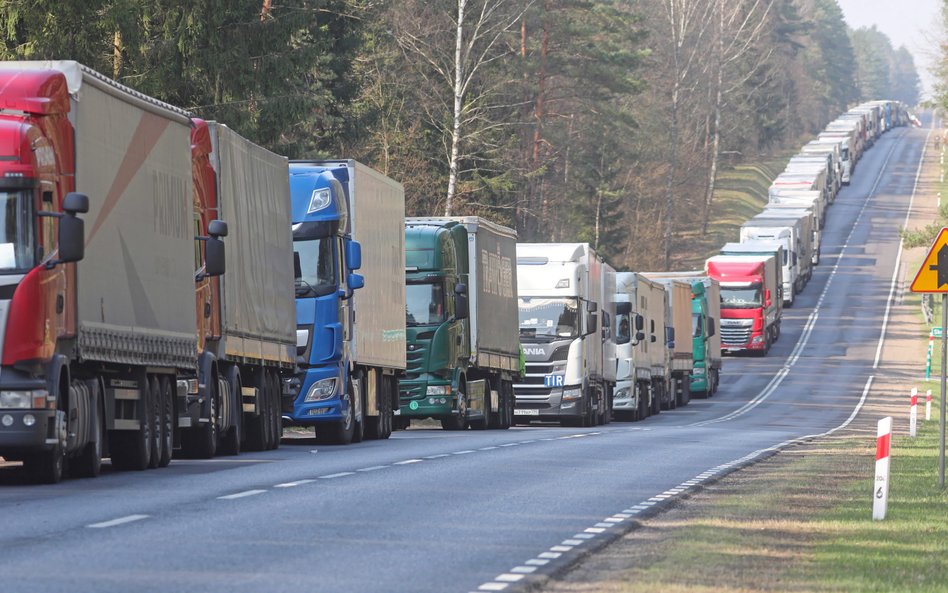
(933, 275)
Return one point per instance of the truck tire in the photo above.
(459, 421)
(88, 463)
(683, 393)
(657, 396)
(46, 467)
(230, 442)
(339, 433)
(154, 408)
(375, 425)
(275, 416)
(358, 431)
(131, 449)
(202, 440)
(166, 396)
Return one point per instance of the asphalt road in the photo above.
(433, 511)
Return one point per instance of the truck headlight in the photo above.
(621, 393)
(321, 390)
(23, 399)
(757, 340)
(438, 390)
(572, 393)
(319, 200)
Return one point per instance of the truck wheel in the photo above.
(458, 422)
(203, 439)
(375, 425)
(230, 443)
(276, 416)
(154, 408)
(131, 450)
(657, 396)
(358, 430)
(166, 398)
(88, 463)
(339, 433)
(46, 467)
(685, 397)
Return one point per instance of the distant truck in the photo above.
(801, 199)
(247, 317)
(679, 331)
(798, 240)
(643, 372)
(348, 259)
(98, 330)
(809, 218)
(847, 155)
(750, 309)
(565, 313)
(463, 342)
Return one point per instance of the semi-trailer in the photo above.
(99, 333)
(560, 289)
(462, 323)
(808, 218)
(348, 259)
(802, 199)
(750, 310)
(247, 317)
(644, 373)
(797, 240)
(678, 337)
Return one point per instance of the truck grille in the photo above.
(736, 335)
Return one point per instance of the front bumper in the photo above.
(332, 409)
(625, 397)
(415, 402)
(552, 408)
(18, 439)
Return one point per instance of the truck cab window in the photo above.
(424, 304)
(623, 329)
(17, 231)
(317, 275)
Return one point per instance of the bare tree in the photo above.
(453, 57)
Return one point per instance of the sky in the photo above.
(912, 23)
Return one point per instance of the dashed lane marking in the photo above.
(119, 521)
(243, 494)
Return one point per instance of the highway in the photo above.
(433, 511)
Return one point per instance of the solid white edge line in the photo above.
(119, 521)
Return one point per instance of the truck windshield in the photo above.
(743, 297)
(623, 328)
(315, 272)
(424, 303)
(549, 318)
(696, 325)
(16, 231)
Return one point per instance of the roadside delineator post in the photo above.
(928, 357)
(880, 489)
(928, 405)
(913, 413)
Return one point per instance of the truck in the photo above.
(563, 305)
(247, 317)
(679, 332)
(750, 310)
(348, 260)
(802, 180)
(802, 199)
(641, 352)
(831, 148)
(99, 333)
(797, 240)
(805, 162)
(847, 155)
(462, 323)
(790, 269)
(807, 216)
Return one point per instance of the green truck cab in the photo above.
(460, 364)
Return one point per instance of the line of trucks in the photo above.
(778, 248)
(125, 332)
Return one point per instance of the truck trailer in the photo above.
(463, 343)
(678, 337)
(348, 258)
(99, 333)
(560, 289)
(643, 371)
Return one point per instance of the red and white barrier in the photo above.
(913, 413)
(880, 489)
(928, 405)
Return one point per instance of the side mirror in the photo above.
(213, 257)
(461, 307)
(217, 228)
(353, 255)
(76, 203)
(711, 327)
(639, 322)
(297, 266)
(591, 307)
(72, 239)
(356, 281)
(590, 324)
(460, 288)
(653, 340)
(767, 297)
(639, 336)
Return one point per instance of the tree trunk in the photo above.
(716, 131)
(458, 104)
(117, 55)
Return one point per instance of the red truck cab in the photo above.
(750, 309)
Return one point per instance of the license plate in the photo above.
(526, 412)
(396, 413)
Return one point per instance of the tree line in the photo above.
(569, 120)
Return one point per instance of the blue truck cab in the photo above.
(325, 262)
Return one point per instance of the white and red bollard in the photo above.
(913, 414)
(928, 405)
(880, 489)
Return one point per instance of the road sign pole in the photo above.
(944, 363)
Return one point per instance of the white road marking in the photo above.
(243, 494)
(339, 475)
(119, 521)
(407, 462)
(372, 468)
(292, 484)
(550, 555)
(493, 586)
(537, 562)
(523, 569)
(439, 456)
(508, 577)
(464, 452)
